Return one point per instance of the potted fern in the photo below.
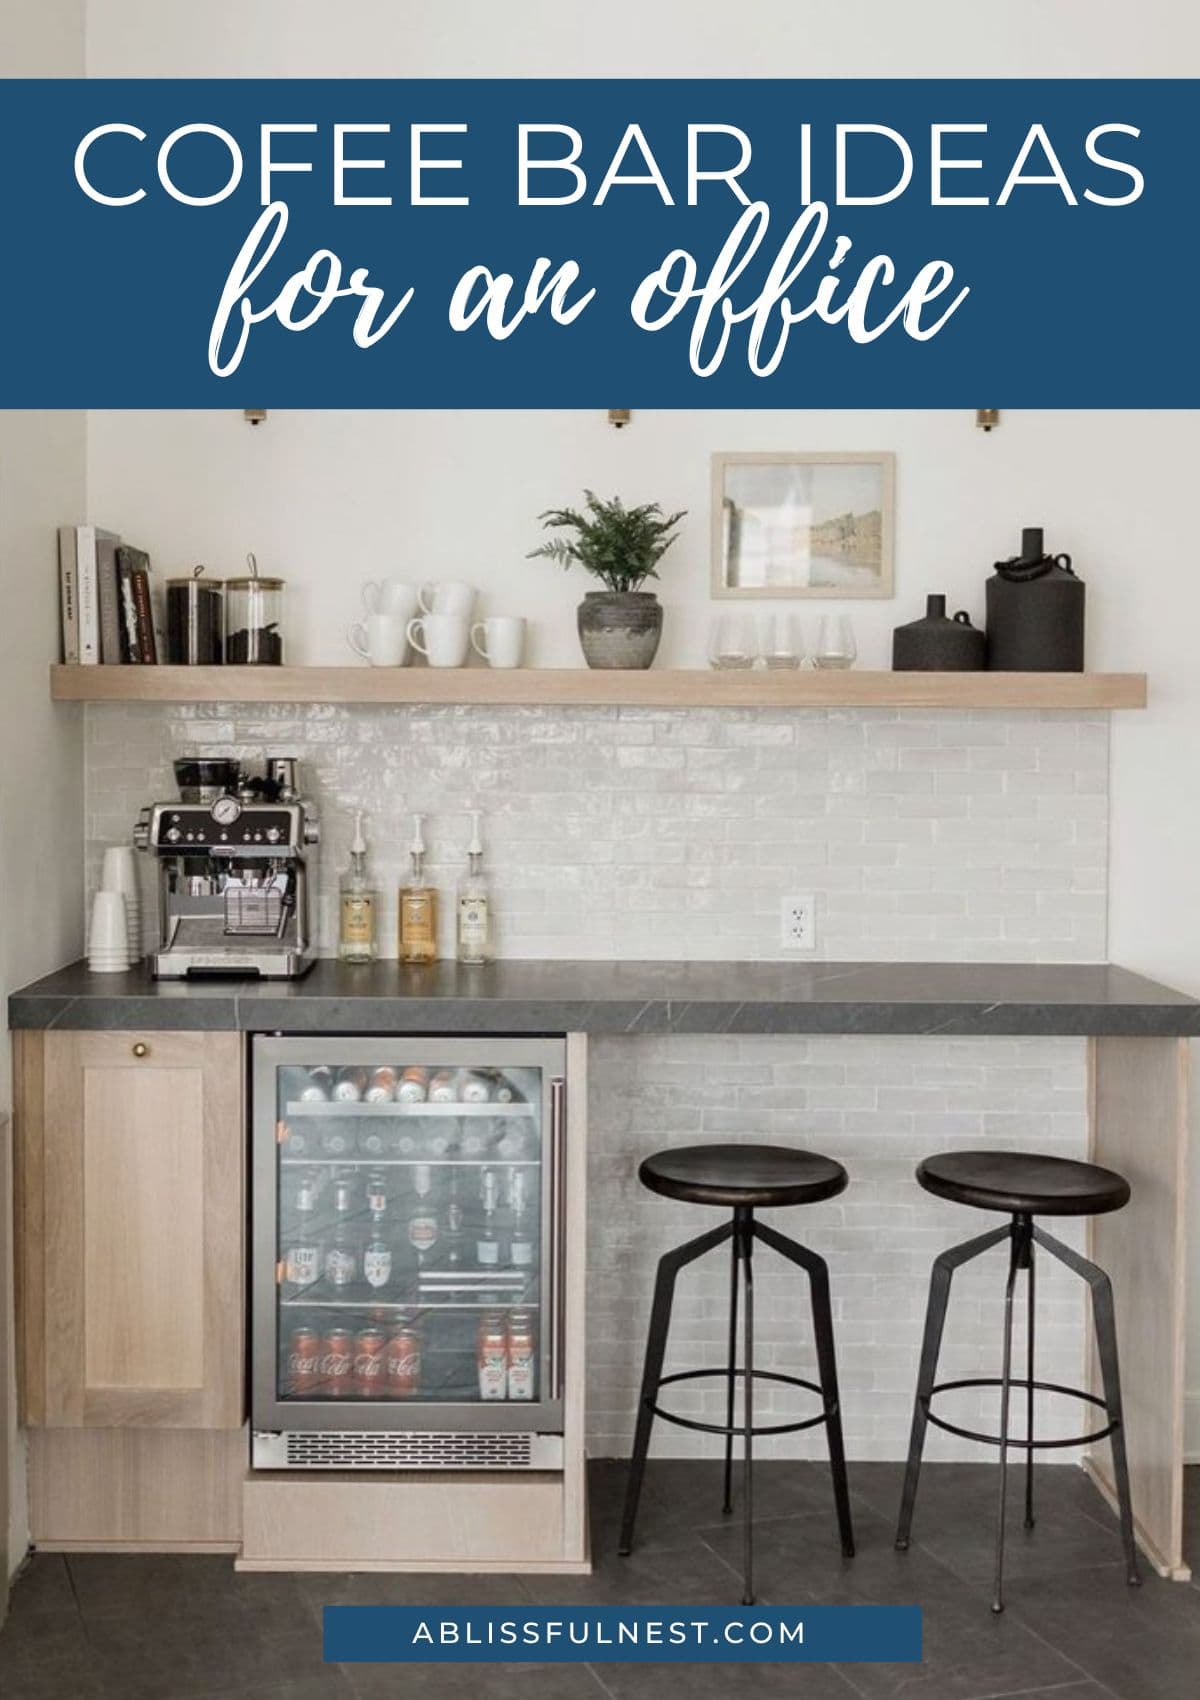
(621, 625)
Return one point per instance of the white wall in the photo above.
(41, 808)
(661, 38)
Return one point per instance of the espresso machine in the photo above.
(237, 866)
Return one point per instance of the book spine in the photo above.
(89, 596)
(129, 638)
(108, 586)
(68, 594)
(145, 618)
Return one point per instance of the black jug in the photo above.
(1035, 608)
(937, 644)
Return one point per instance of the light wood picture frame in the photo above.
(803, 525)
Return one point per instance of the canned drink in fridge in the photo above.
(522, 1360)
(350, 1085)
(303, 1360)
(318, 1086)
(492, 1356)
(337, 1363)
(337, 1141)
(414, 1086)
(370, 1359)
(443, 1088)
(381, 1087)
(402, 1362)
(476, 1088)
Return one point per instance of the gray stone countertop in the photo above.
(613, 998)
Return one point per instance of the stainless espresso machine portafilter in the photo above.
(237, 867)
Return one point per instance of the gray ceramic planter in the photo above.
(620, 628)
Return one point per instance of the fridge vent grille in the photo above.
(401, 1451)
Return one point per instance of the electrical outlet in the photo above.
(798, 923)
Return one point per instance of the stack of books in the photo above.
(108, 610)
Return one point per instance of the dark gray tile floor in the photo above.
(94, 1627)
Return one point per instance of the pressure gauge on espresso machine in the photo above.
(226, 810)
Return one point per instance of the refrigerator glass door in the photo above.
(407, 1235)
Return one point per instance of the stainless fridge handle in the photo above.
(558, 1221)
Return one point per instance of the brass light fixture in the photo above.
(619, 416)
(987, 418)
(254, 415)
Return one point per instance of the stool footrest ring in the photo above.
(828, 1410)
(1015, 1440)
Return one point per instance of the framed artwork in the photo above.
(815, 525)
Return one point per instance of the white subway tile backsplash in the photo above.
(877, 1104)
(675, 833)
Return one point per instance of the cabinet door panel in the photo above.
(142, 1230)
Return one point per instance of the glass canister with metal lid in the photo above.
(195, 620)
(253, 619)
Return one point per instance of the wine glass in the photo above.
(783, 643)
(835, 642)
(732, 642)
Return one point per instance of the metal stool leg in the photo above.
(822, 1311)
(744, 1240)
(1104, 1322)
(1029, 1357)
(669, 1267)
(935, 1321)
(731, 1387)
(1021, 1230)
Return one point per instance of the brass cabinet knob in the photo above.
(141, 1049)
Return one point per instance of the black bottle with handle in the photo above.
(938, 643)
(1035, 612)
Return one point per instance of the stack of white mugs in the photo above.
(435, 620)
(115, 933)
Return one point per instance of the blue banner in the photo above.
(622, 1634)
(593, 244)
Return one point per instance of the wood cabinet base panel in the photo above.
(136, 1489)
(493, 1567)
(446, 1520)
(188, 1549)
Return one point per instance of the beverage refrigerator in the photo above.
(407, 1268)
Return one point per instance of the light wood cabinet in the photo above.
(130, 1219)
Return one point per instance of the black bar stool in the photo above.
(1024, 1186)
(742, 1178)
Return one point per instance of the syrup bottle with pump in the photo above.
(474, 917)
(418, 906)
(356, 933)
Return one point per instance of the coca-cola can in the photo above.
(304, 1360)
(337, 1363)
(402, 1362)
(370, 1358)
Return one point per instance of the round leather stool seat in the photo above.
(1023, 1183)
(742, 1176)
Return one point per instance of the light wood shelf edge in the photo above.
(580, 687)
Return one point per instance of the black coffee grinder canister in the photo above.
(1035, 608)
(938, 644)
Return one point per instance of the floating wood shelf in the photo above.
(580, 687)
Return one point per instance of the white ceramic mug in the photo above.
(381, 639)
(499, 639)
(448, 596)
(390, 596)
(443, 639)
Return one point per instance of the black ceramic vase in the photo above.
(1035, 611)
(937, 643)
